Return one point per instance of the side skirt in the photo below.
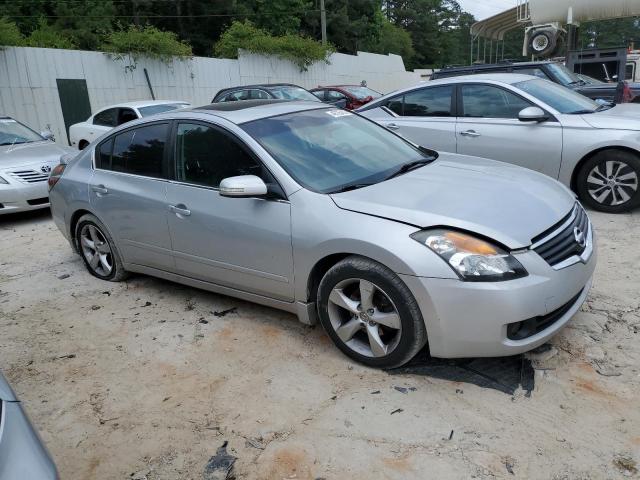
(306, 312)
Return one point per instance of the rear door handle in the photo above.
(470, 133)
(100, 189)
(180, 209)
(392, 126)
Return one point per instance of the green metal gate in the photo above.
(74, 100)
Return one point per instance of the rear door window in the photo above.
(106, 118)
(139, 151)
(426, 102)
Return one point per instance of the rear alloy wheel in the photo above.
(370, 314)
(610, 181)
(98, 250)
(543, 42)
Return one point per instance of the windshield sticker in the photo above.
(339, 113)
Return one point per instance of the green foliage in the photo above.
(83, 22)
(302, 51)
(47, 36)
(392, 39)
(137, 42)
(278, 17)
(9, 33)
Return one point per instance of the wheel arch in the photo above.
(319, 269)
(590, 155)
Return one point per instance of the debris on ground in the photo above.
(63, 276)
(219, 466)
(397, 410)
(203, 321)
(626, 465)
(223, 313)
(71, 355)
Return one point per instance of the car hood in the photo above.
(504, 202)
(46, 152)
(6, 393)
(624, 116)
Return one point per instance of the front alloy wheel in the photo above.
(364, 317)
(370, 314)
(610, 181)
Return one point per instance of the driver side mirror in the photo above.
(533, 114)
(243, 186)
(48, 135)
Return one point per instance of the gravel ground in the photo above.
(148, 379)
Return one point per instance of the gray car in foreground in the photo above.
(323, 213)
(22, 453)
(593, 149)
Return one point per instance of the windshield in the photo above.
(328, 149)
(362, 92)
(155, 109)
(560, 98)
(288, 92)
(563, 74)
(13, 132)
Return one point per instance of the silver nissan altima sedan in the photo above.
(321, 212)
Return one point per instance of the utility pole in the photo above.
(323, 22)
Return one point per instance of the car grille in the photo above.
(30, 176)
(561, 242)
(535, 325)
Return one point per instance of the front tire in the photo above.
(98, 250)
(609, 181)
(370, 314)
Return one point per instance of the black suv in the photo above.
(622, 92)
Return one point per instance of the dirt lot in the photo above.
(147, 379)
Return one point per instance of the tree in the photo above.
(46, 36)
(86, 22)
(244, 35)
(351, 25)
(9, 33)
(392, 39)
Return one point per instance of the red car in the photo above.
(355, 95)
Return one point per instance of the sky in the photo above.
(482, 9)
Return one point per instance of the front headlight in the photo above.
(2, 180)
(473, 259)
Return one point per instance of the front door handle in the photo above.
(392, 126)
(180, 210)
(470, 133)
(100, 189)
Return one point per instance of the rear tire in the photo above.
(370, 314)
(98, 250)
(609, 181)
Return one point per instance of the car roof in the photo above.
(243, 111)
(141, 103)
(265, 86)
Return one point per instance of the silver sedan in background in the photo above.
(323, 213)
(22, 453)
(593, 149)
(26, 159)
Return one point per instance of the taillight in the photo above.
(55, 175)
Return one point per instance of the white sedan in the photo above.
(83, 133)
(593, 149)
